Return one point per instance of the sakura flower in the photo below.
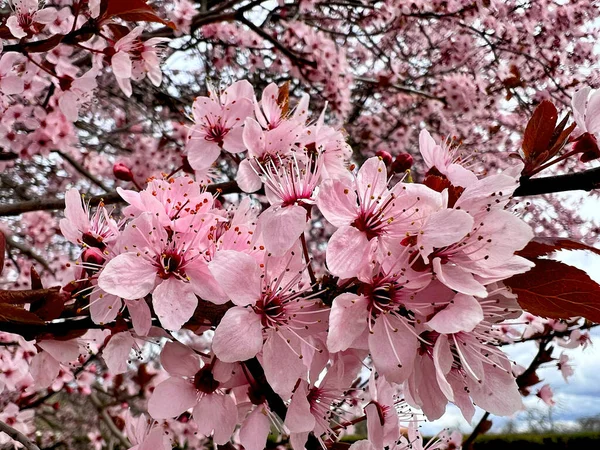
(273, 314)
(193, 385)
(218, 124)
(75, 93)
(546, 395)
(135, 59)
(177, 202)
(28, 19)
(445, 160)
(46, 365)
(270, 113)
(77, 226)
(168, 267)
(371, 218)
(143, 435)
(565, 368)
(382, 418)
(290, 189)
(19, 420)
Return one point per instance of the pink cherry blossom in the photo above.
(28, 19)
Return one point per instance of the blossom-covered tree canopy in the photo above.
(304, 224)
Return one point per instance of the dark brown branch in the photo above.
(587, 180)
(45, 204)
(16, 435)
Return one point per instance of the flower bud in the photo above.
(402, 163)
(385, 156)
(122, 172)
(93, 255)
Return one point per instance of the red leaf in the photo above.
(2, 251)
(543, 246)
(16, 314)
(26, 296)
(540, 129)
(558, 291)
(133, 10)
(51, 307)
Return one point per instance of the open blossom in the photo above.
(10, 82)
(143, 435)
(546, 395)
(28, 19)
(193, 384)
(290, 186)
(372, 219)
(135, 59)
(171, 268)
(272, 314)
(218, 124)
(78, 227)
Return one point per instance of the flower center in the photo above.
(204, 380)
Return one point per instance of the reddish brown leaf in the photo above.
(543, 246)
(540, 129)
(51, 307)
(132, 10)
(26, 296)
(558, 291)
(36, 281)
(2, 251)
(283, 97)
(16, 314)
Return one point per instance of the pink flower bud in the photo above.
(386, 156)
(122, 172)
(93, 255)
(402, 163)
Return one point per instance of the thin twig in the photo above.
(105, 416)
(82, 170)
(16, 435)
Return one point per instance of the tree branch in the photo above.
(45, 204)
(27, 251)
(82, 170)
(107, 419)
(16, 435)
(587, 180)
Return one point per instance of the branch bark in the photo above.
(588, 180)
(16, 435)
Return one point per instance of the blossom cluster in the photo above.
(414, 279)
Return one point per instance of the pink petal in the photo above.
(238, 336)
(579, 104)
(281, 228)
(156, 440)
(372, 178)
(104, 307)
(179, 360)
(337, 201)
(171, 398)
(282, 366)
(246, 177)
(62, 351)
(128, 276)
(347, 251)
(347, 321)
(458, 279)
(299, 417)
(374, 426)
(174, 303)
(15, 29)
(12, 85)
(121, 64)
(234, 115)
(74, 211)
(45, 16)
(218, 413)
(140, 316)
(498, 393)
(204, 284)
(202, 154)
(592, 115)
(116, 352)
(255, 429)
(229, 268)
(44, 369)
(464, 313)
(254, 138)
(393, 348)
(443, 360)
(443, 228)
